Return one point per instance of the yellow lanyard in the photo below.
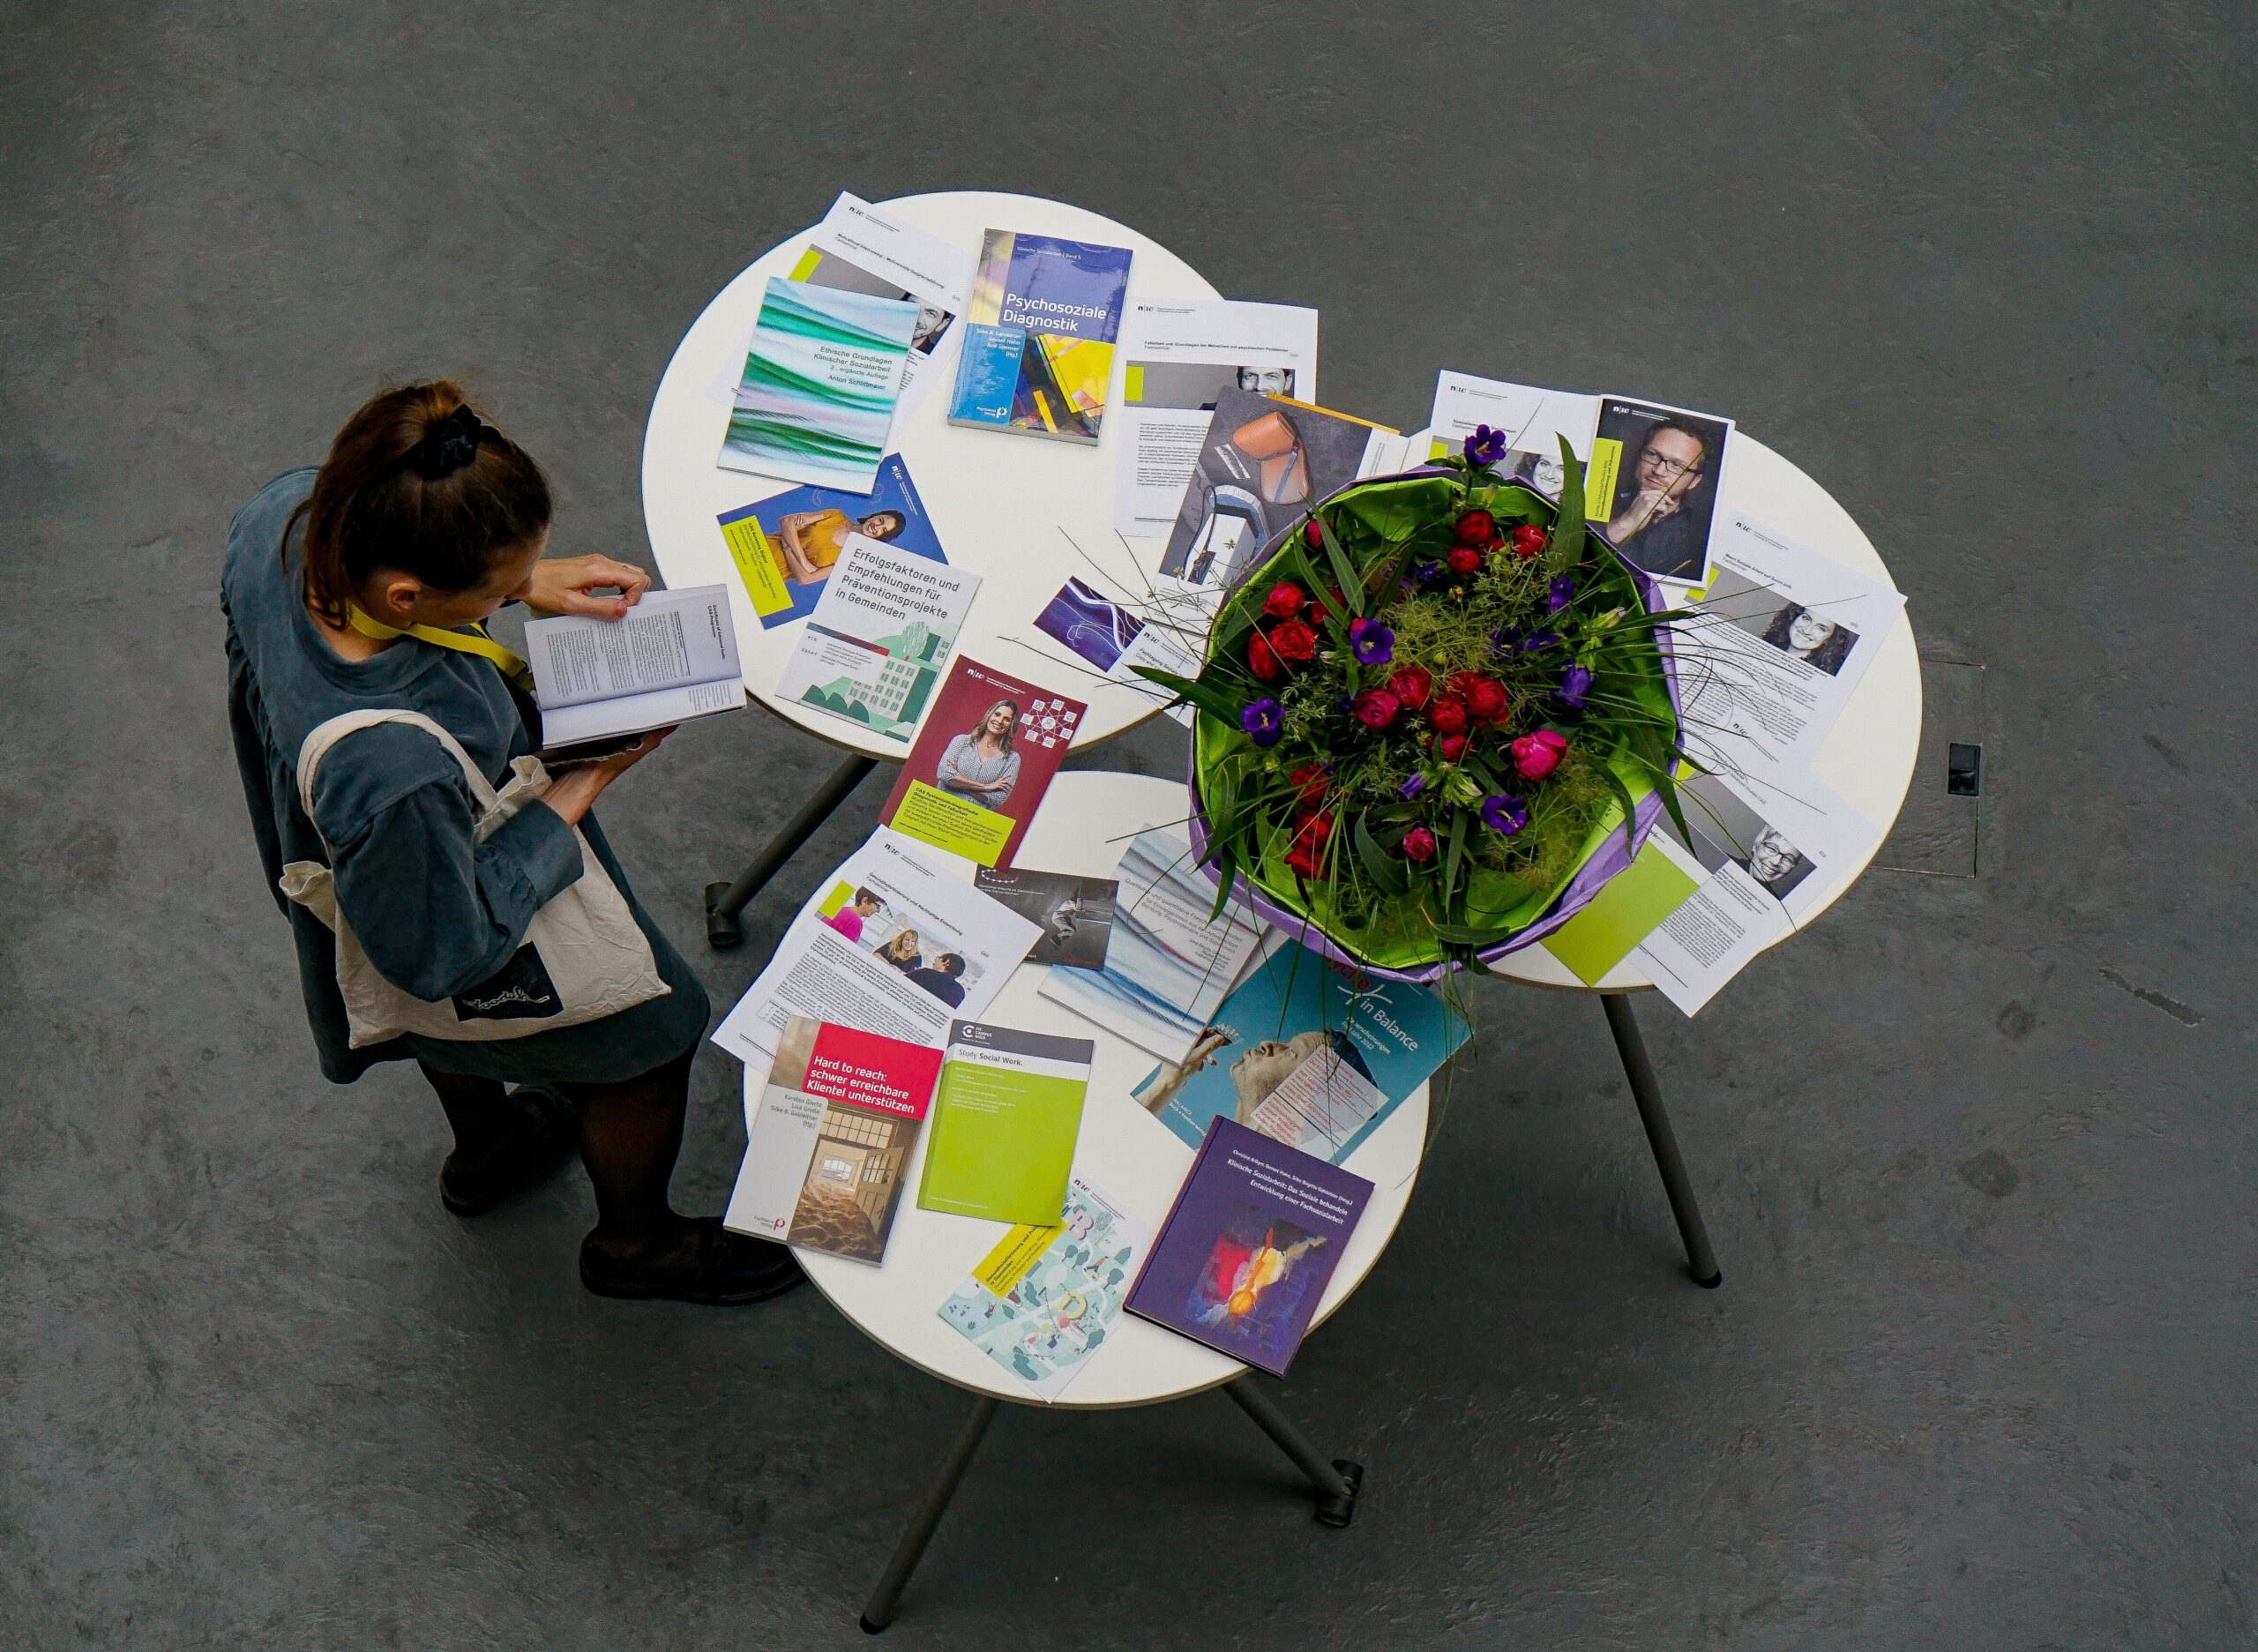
(513, 667)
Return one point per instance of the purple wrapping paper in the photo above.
(1612, 855)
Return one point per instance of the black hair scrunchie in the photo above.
(448, 444)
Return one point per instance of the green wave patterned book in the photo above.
(816, 395)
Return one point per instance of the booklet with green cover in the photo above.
(1005, 1119)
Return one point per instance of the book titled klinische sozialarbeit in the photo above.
(1038, 344)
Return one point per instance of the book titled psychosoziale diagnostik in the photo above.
(1039, 336)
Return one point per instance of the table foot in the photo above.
(884, 1599)
(1337, 1481)
(1701, 1263)
(724, 901)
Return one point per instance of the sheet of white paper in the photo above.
(1534, 420)
(668, 639)
(1726, 921)
(1179, 353)
(864, 980)
(1783, 635)
(1792, 836)
(1168, 962)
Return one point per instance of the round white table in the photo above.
(1086, 819)
(1022, 513)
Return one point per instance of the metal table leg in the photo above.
(1648, 1093)
(887, 1596)
(724, 901)
(1337, 1482)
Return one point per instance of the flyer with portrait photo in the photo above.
(982, 763)
(859, 248)
(1780, 636)
(786, 546)
(1653, 484)
(897, 941)
(1533, 421)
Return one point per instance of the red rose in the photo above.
(1529, 539)
(1477, 528)
(1537, 755)
(1312, 781)
(1452, 746)
(1261, 661)
(1419, 844)
(1412, 685)
(1307, 852)
(1292, 640)
(1485, 701)
(1448, 715)
(1285, 601)
(1329, 604)
(1375, 707)
(1313, 534)
(1464, 558)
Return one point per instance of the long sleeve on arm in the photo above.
(436, 912)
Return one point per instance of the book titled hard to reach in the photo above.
(1039, 336)
(1242, 1258)
(827, 1153)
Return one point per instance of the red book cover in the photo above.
(985, 756)
(875, 1092)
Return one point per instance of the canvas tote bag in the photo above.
(583, 957)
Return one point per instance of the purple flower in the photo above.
(1505, 640)
(1264, 721)
(1486, 446)
(1426, 571)
(1412, 788)
(1502, 811)
(1561, 593)
(1538, 641)
(1373, 645)
(1575, 683)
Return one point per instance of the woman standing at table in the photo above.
(980, 763)
(362, 587)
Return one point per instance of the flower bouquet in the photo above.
(1435, 721)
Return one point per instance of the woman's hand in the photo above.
(562, 585)
(574, 792)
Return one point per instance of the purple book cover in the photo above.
(1242, 1260)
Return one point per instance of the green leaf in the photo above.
(1623, 797)
(1382, 866)
(1567, 549)
(1226, 869)
(1344, 566)
(1451, 854)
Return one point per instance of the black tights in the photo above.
(631, 1133)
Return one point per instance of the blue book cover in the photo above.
(1040, 330)
(1311, 1052)
(1243, 1260)
(786, 546)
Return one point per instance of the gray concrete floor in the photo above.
(1977, 1155)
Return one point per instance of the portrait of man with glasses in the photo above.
(1666, 486)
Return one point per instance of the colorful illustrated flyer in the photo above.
(815, 399)
(1043, 1301)
(874, 647)
(1243, 1260)
(786, 547)
(1312, 1053)
(825, 1154)
(982, 763)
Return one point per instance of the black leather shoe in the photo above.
(544, 1140)
(711, 1266)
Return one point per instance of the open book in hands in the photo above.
(673, 657)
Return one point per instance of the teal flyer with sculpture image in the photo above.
(815, 399)
(1311, 1053)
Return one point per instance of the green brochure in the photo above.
(1005, 1119)
(1630, 908)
